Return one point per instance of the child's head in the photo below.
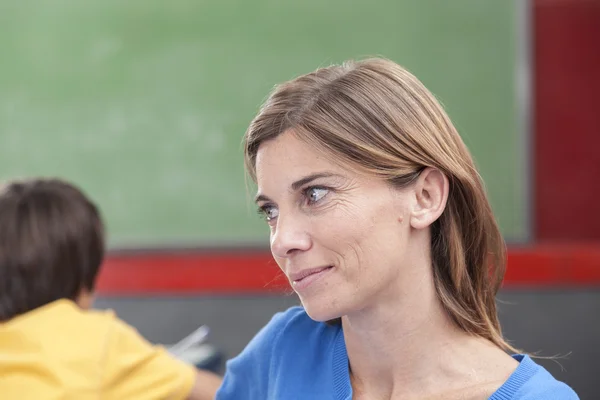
(51, 245)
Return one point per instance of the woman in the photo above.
(380, 221)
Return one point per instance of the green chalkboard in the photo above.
(144, 103)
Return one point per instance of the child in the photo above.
(51, 344)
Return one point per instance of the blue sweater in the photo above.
(294, 357)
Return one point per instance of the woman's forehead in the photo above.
(288, 149)
(291, 147)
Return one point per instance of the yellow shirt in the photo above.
(62, 352)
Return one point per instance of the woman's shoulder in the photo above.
(531, 381)
(286, 328)
(288, 346)
(294, 317)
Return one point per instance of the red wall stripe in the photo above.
(256, 272)
(567, 119)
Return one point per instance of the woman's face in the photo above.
(340, 236)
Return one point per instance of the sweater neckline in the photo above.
(343, 389)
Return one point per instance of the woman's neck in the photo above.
(408, 344)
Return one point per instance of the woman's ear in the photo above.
(431, 194)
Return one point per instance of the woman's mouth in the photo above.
(305, 278)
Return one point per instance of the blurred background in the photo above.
(143, 104)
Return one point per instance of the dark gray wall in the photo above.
(546, 322)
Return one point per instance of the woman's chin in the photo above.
(321, 312)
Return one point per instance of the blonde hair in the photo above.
(377, 116)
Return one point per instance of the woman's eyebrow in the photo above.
(303, 181)
(261, 197)
(298, 184)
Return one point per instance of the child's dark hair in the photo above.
(51, 244)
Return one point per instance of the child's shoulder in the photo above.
(62, 315)
(62, 330)
(93, 328)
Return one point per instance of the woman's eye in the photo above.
(268, 212)
(315, 194)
